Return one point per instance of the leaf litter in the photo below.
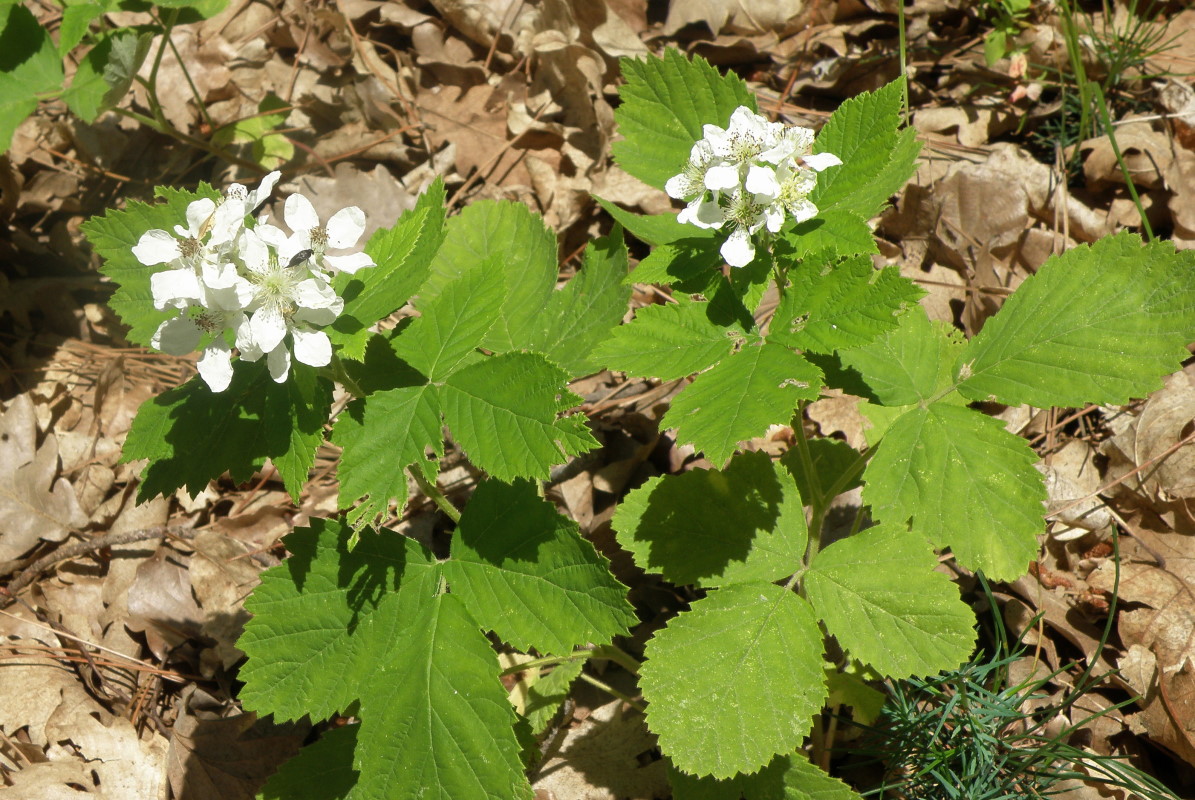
(119, 657)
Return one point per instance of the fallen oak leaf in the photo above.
(35, 504)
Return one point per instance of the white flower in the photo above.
(752, 174)
(288, 298)
(181, 334)
(343, 230)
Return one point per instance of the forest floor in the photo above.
(118, 664)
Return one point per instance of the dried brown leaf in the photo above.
(34, 504)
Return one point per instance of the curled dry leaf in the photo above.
(35, 504)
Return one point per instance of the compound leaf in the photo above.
(192, 435)
(834, 232)
(503, 413)
(668, 342)
(579, 316)
(910, 363)
(912, 626)
(665, 103)
(789, 777)
(452, 323)
(321, 771)
(877, 157)
(966, 483)
(740, 397)
(525, 571)
(403, 254)
(309, 648)
(734, 680)
(836, 307)
(1099, 324)
(521, 246)
(29, 67)
(714, 527)
(381, 436)
(436, 722)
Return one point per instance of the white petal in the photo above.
(819, 161)
(709, 214)
(722, 177)
(268, 327)
(219, 276)
(254, 252)
(345, 227)
(176, 336)
(314, 293)
(762, 181)
(198, 212)
(350, 263)
(249, 349)
(175, 287)
(738, 249)
(270, 234)
(263, 190)
(227, 221)
(802, 210)
(156, 247)
(279, 362)
(312, 347)
(678, 186)
(300, 214)
(215, 366)
(774, 216)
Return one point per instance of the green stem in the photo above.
(434, 494)
(608, 689)
(1106, 119)
(607, 651)
(818, 501)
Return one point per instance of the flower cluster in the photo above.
(751, 175)
(254, 285)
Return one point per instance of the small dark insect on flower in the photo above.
(300, 257)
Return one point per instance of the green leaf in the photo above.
(852, 688)
(309, 649)
(877, 157)
(789, 777)
(113, 236)
(1099, 324)
(830, 459)
(833, 233)
(503, 413)
(521, 245)
(321, 771)
(545, 693)
(916, 625)
(911, 363)
(106, 73)
(942, 464)
(740, 397)
(436, 724)
(403, 254)
(665, 103)
(453, 323)
(835, 307)
(668, 342)
(680, 263)
(29, 67)
(734, 680)
(582, 314)
(192, 435)
(654, 229)
(712, 527)
(381, 436)
(526, 571)
(76, 21)
(270, 148)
